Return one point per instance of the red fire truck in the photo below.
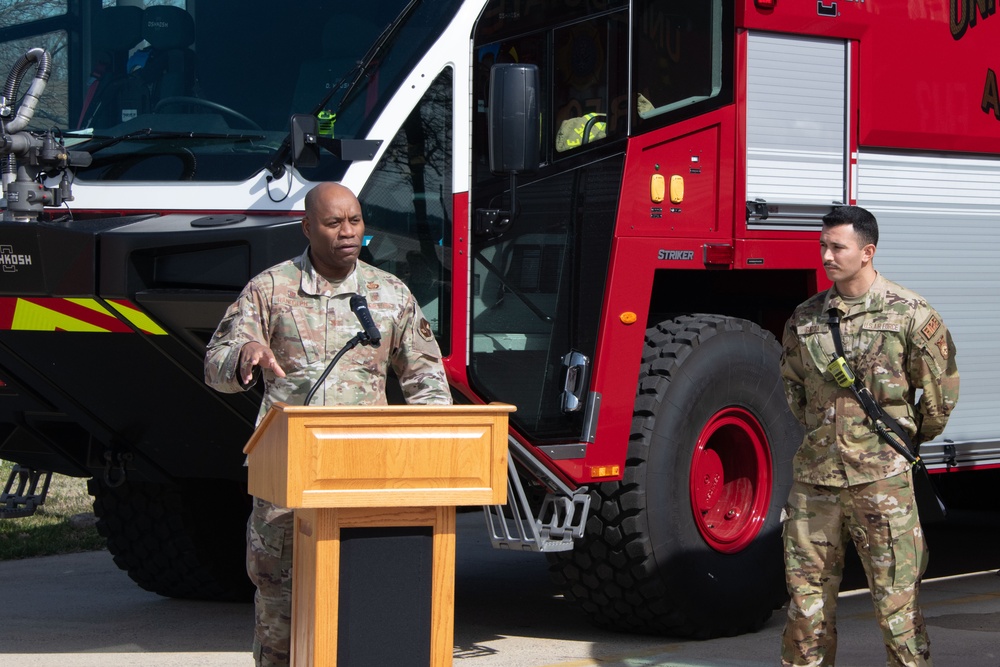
(607, 209)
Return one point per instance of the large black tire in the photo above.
(180, 543)
(688, 543)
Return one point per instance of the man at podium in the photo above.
(287, 326)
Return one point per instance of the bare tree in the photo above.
(53, 110)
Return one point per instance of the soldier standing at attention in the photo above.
(848, 483)
(287, 325)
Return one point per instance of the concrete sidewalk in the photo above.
(79, 610)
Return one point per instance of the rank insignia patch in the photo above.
(425, 329)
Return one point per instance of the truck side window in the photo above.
(678, 54)
(588, 82)
(407, 206)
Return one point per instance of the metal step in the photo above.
(561, 517)
(21, 495)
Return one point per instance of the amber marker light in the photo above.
(604, 471)
(676, 189)
(628, 317)
(657, 188)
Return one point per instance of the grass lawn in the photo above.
(64, 524)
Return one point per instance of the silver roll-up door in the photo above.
(796, 123)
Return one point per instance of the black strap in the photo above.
(874, 411)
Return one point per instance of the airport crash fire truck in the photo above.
(607, 210)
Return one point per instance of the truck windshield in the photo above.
(202, 90)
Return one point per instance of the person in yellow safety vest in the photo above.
(571, 131)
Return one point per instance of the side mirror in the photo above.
(305, 140)
(515, 124)
(302, 146)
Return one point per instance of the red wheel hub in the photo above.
(731, 480)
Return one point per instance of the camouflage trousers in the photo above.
(881, 519)
(269, 564)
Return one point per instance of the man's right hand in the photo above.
(257, 354)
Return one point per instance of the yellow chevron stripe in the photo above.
(32, 317)
(139, 319)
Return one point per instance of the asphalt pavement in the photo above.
(79, 610)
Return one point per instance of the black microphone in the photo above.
(360, 307)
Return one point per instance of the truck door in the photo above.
(797, 129)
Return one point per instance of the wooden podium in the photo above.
(374, 490)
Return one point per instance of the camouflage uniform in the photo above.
(849, 484)
(306, 320)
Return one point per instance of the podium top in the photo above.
(380, 456)
(284, 410)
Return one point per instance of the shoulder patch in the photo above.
(929, 329)
(425, 329)
(942, 345)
